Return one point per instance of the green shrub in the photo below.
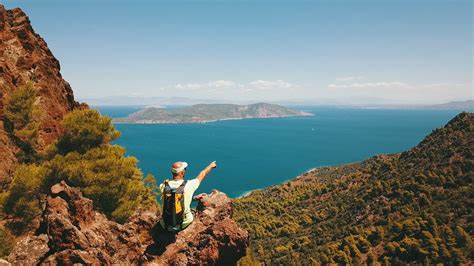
(87, 160)
(3, 198)
(23, 198)
(84, 130)
(6, 242)
(106, 176)
(84, 158)
(19, 107)
(22, 119)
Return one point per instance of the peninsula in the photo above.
(202, 113)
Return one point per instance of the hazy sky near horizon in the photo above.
(386, 51)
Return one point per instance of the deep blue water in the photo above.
(256, 153)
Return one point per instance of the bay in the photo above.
(257, 153)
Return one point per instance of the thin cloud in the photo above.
(188, 86)
(229, 84)
(444, 85)
(378, 84)
(271, 84)
(221, 89)
(399, 91)
(222, 84)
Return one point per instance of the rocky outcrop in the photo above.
(72, 232)
(25, 57)
(213, 238)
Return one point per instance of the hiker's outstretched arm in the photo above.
(206, 171)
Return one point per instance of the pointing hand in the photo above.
(213, 164)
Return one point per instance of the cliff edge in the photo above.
(72, 232)
(25, 57)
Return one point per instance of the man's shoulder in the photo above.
(193, 181)
(162, 185)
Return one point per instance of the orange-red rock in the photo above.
(25, 56)
(72, 232)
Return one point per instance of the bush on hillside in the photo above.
(84, 130)
(22, 119)
(106, 176)
(84, 158)
(6, 242)
(23, 197)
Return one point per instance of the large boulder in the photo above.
(213, 237)
(72, 232)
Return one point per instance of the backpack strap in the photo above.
(166, 185)
(166, 190)
(180, 189)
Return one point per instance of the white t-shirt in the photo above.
(189, 188)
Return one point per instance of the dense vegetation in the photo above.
(83, 156)
(411, 207)
(21, 120)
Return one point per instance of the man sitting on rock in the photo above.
(177, 195)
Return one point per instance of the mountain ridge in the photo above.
(411, 207)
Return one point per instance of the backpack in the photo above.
(173, 206)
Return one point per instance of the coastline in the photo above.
(151, 122)
(249, 192)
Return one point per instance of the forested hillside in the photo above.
(411, 207)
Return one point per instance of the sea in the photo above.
(257, 153)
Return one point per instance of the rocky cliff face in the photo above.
(72, 232)
(213, 238)
(25, 57)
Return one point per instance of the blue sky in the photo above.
(415, 51)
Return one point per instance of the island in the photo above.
(466, 105)
(202, 113)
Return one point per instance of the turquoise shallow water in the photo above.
(256, 153)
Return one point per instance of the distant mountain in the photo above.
(457, 105)
(415, 207)
(353, 102)
(201, 113)
(467, 105)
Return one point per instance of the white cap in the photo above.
(179, 169)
